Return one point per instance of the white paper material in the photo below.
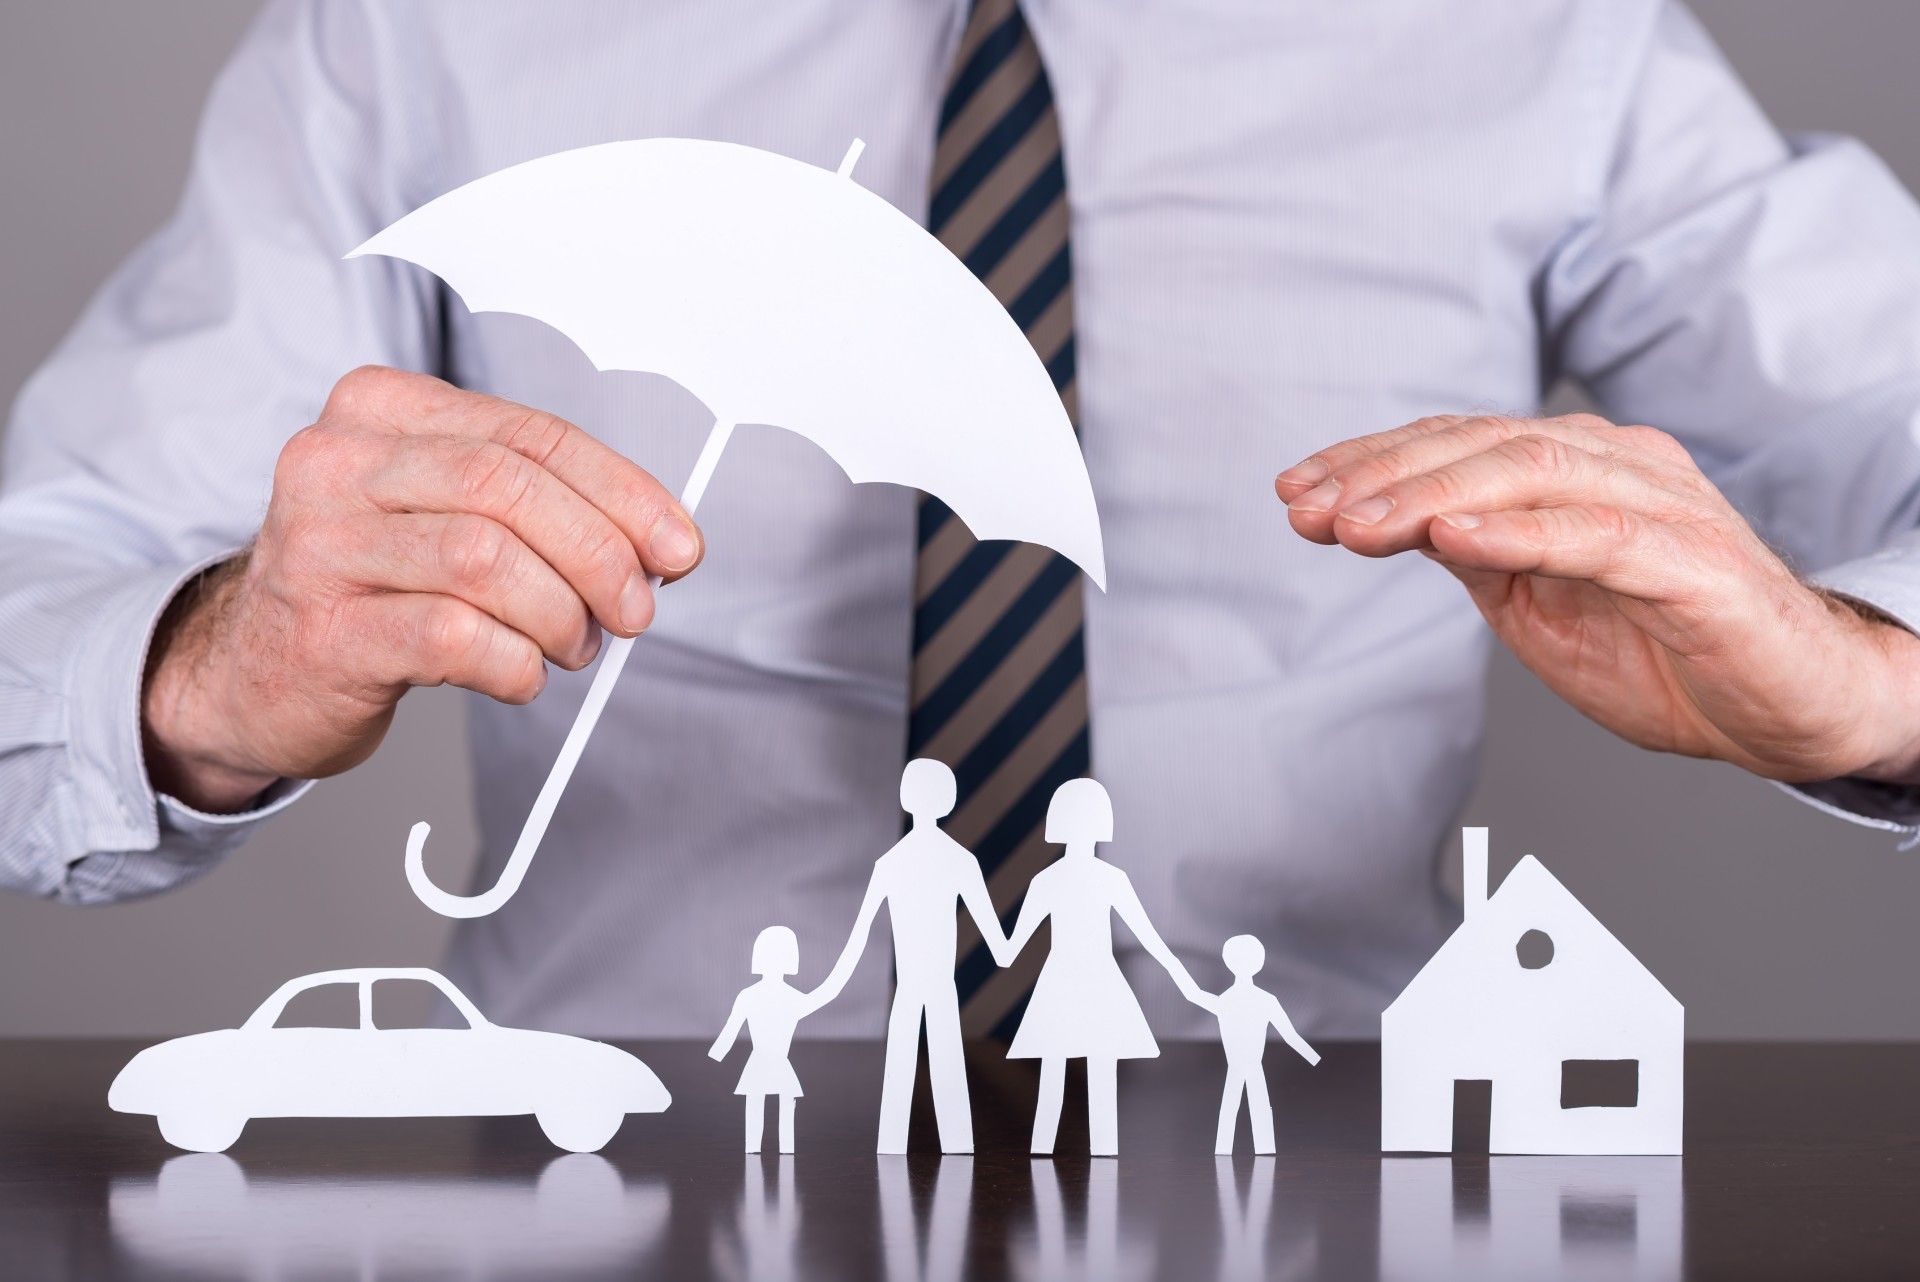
(205, 1088)
(1082, 1006)
(1476, 1013)
(778, 293)
(1245, 1012)
(770, 1011)
(921, 881)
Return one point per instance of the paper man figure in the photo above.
(919, 880)
(771, 1010)
(1245, 1012)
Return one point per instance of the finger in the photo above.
(1526, 471)
(479, 561)
(1318, 466)
(430, 640)
(1366, 475)
(662, 532)
(1620, 551)
(450, 475)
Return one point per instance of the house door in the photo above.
(1472, 1114)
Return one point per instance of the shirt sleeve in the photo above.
(143, 449)
(1758, 296)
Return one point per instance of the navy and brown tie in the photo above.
(999, 670)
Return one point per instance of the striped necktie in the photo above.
(999, 672)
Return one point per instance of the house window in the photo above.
(1534, 949)
(1599, 1083)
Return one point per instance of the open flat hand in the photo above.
(417, 534)
(1617, 572)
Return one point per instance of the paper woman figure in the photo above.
(1082, 1006)
(771, 1010)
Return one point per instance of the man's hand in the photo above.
(417, 534)
(1617, 573)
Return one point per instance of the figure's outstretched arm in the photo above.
(850, 954)
(1284, 1026)
(979, 904)
(724, 1043)
(1206, 1001)
(1127, 904)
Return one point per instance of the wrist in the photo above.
(191, 752)
(1892, 698)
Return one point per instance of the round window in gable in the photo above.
(1535, 949)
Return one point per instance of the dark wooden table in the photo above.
(1802, 1162)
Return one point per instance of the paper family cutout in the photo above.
(1580, 1044)
(1081, 1007)
(206, 1087)
(778, 293)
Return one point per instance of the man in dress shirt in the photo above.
(1294, 228)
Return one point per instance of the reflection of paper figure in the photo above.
(937, 1252)
(1245, 1012)
(778, 293)
(205, 1088)
(765, 1245)
(1532, 1000)
(919, 880)
(1244, 1252)
(1517, 1219)
(1082, 1006)
(770, 1011)
(204, 1216)
(1056, 1254)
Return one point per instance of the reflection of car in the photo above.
(206, 1087)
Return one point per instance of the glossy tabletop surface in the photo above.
(1802, 1161)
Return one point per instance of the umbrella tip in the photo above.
(853, 155)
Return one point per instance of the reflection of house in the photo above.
(1518, 1219)
(1533, 1008)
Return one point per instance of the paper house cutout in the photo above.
(1532, 1000)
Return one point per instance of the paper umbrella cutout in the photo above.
(778, 293)
(205, 1088)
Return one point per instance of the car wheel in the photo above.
(201, 1132)
(577, 1129)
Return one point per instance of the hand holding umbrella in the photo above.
(779, 294)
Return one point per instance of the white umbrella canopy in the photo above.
(778, 293)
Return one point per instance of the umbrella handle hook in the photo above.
(612, 662)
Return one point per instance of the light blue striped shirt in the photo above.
(1291, 223)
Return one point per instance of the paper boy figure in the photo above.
(771, 1010)
(1245, 1012)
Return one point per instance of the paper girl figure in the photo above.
(1245, 1012)
(771, 1010)
(1082, 1006)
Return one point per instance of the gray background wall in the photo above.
(1765, 918)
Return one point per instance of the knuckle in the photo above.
(450, 634)
(473, 552)
(1610, 525)
(1539, 454)
(363, 387)
(537, 434)
(306, 453)
(494, 478)
(608, 555)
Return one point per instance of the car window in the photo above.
(413, 1003)
(322, 1006)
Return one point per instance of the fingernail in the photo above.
(1462, 520)
(590, 644)
(1305, 473)
(636, 604)
(1367, 511)
(1318, 499)
(673, 543)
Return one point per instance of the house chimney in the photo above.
(1473, 870)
